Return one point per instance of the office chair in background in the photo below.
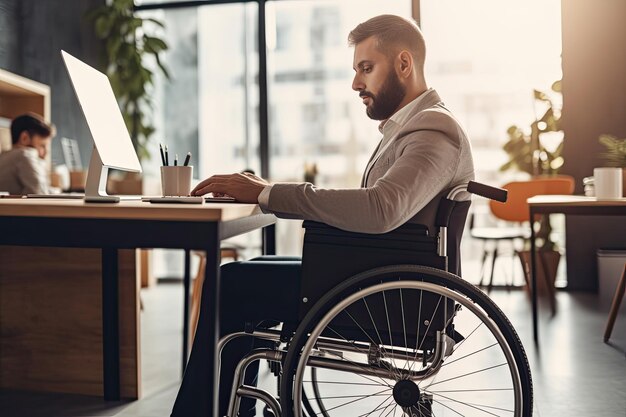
(516, 211)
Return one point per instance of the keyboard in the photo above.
(188, 200)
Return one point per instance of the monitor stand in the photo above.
(96, 185)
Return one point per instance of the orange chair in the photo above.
(516, 210)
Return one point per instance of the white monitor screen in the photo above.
(103, 115)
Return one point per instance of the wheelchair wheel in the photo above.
(407, 340)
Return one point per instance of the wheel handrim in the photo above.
(421, 286)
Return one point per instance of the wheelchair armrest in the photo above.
(487, 191)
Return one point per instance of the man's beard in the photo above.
(385, 103)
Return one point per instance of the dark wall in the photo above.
(594, 102)
(32, 34)
(10, 58)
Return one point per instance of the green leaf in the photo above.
(154, 45)
(102, 27)
(155, 21)
(117, 24)
(162, 67)
(615, 154)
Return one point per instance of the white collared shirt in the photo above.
(390, 127)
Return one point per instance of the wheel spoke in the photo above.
(469, 354)
(391, 404)
(393, 407)
(359, 326)
(361, 367)
(395, 367)
(421, 407)
(384, 393)
(476, 406)
(449, 408)
(475, 390)
(378, 407)
(458, 346)
(406, 344)
(343, 383)
(353, 401)
(417, 348)
(352, 362)
(382, 345)
(464, 375)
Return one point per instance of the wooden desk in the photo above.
(565, 204)
(129, 225)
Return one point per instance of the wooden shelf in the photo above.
(19, 95)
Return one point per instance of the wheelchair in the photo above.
(386, 328)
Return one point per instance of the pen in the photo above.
(167, 161)
(187, 158)
(162, 154)
(176, 160)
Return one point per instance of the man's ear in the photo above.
(24, 138)
(404, 64)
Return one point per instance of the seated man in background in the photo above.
(423, 153)
(23, 169)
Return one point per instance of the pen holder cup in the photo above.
(176, 180)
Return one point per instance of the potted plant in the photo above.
(537, 151)
(615, 155)
(127, 47)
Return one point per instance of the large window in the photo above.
(317, 122)
(484, 57)
(209, 105)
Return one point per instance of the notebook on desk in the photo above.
(60, 195)
(88, 199)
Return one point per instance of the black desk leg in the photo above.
(269, 240)
(186, 285)
(110, 325)
(533, 276)
(209, 320)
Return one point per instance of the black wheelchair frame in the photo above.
(358, 293)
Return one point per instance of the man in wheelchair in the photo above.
(380, 341)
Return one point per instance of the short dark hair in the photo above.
(392, 33)
(32, 123)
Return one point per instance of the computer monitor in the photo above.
(113, 147)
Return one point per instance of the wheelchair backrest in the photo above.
(331, 255)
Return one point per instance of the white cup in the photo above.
(608, 183)
(176, 180)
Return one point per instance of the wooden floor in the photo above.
(574, 373)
